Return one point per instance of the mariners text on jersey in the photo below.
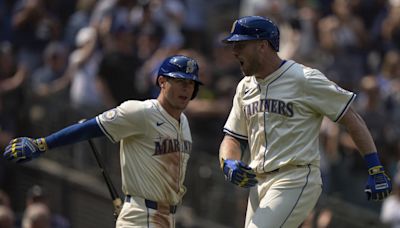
(269, 105)
(167, 146)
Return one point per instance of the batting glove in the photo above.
(25, 149)
(239, 173)
(379, 184)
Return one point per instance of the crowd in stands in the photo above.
(61, 61)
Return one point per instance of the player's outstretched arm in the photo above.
(379, 184)
(235, 171)
(25, 149)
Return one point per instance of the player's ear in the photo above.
(264, 44)
(161, 81)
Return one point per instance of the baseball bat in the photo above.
(116, 199)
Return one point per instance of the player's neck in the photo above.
(174, 112)
(269, 66)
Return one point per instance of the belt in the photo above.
(281, 169)
(152, 204)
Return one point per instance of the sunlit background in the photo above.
(64, 60)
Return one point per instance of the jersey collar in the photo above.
(271, 77)
(165, 114)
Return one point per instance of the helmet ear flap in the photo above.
(195, 91)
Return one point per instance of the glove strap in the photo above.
(41, 144)
(372, 160)
(375, 170)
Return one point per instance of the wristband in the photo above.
(372, 160)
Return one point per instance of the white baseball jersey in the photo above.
(280, 116)
(154, 149)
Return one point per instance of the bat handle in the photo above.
(117, 207)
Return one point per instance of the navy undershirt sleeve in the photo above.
(74, 133)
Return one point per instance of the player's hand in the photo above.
(25, 149)
(238, 173)
(379, 185)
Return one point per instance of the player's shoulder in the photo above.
(308, 72)
(301, 73)
(136, 105)
(130, 103)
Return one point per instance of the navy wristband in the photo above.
(372, 160)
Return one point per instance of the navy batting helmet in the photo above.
(180, 66)
(254, 28)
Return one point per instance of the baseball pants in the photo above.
(138, 212)
(284, 198)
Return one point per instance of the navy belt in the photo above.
(152, 204)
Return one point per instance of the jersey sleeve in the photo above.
(326, 97)
(236, 122)
(126, 120)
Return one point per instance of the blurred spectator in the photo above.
(101, 8)
(389, 71)
(194, 26)
(116, 17)
(170, 14)
(36, 215)
(325, 218)
(117, 69)
(12, 77)
(271, 8)
(149, 33)
(390, 213)
(53, 68)
(48, 102)
(298, 39)
(7, 219)
(5, 20)
(390, 82)
(391, 26)
(373, 111)
(32, 19)
(4, 199)
(84, 62)
(80, 18)
(342, 39)
(37, 210)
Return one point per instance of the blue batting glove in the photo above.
(25, 149)
(379, 185)
(238, 173)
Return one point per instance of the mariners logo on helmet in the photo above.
(180, 66)
(254, 28)
(190, 67)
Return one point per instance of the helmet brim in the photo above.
(183, 76)
(237, 38)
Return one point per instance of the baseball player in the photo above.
(155, 144)
(277, 112)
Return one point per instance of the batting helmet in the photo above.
(180, 66)
(254, 28)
